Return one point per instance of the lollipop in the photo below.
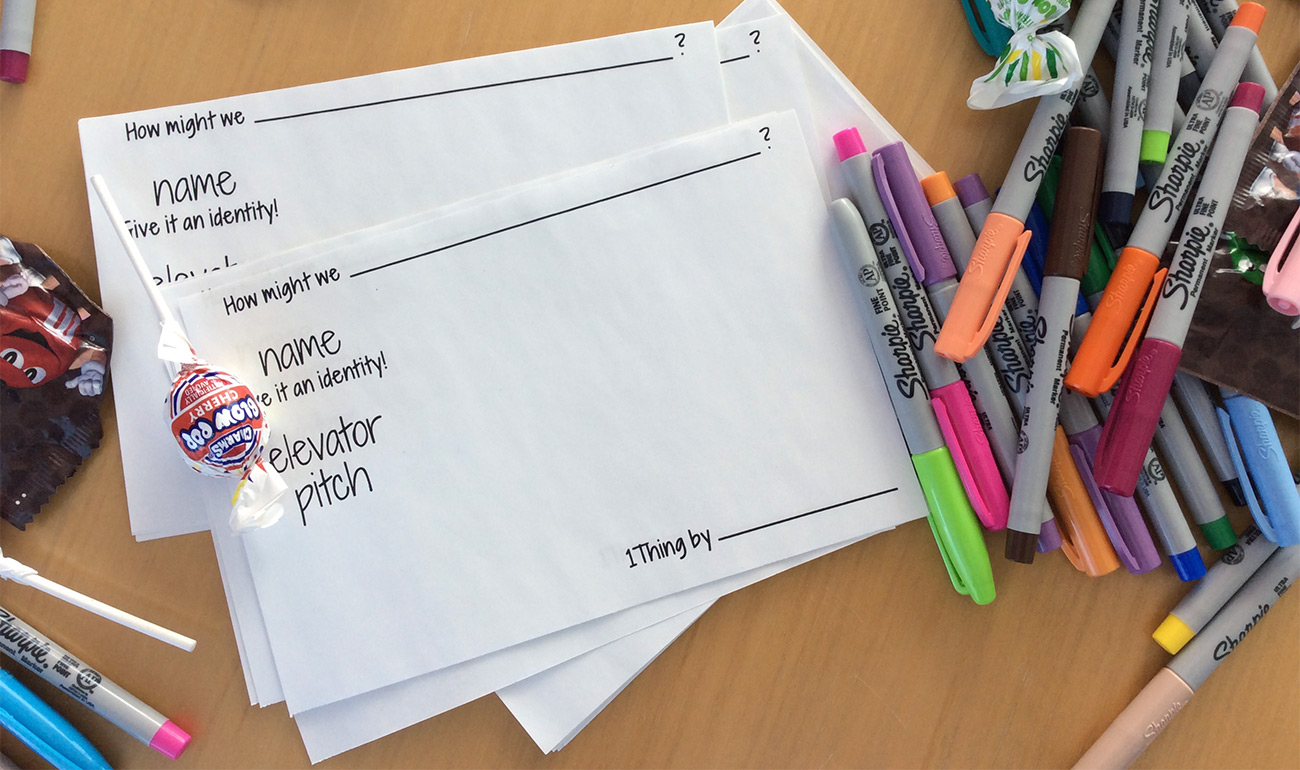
(216, 420)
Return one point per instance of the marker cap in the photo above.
(849, 143)
(1249, 15)
(1282, 276)
(1155, 147)
(954, 526)
(1116, 208)
(1219, 533)
(170, 740)
(1249, 95)
(1135, 415)
(13, 66)
(970, 190)
(1188, 565)
(1173, 634)
(1069, 243)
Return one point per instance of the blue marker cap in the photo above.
(1261, 466)
(1189, 565)
(41, 728)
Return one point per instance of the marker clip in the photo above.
(1243, 475)
(979, 475)
(1137, 557)
(1004, 288)
(1282, 275)
(1135, 333)
(958, 582)
(891, 208)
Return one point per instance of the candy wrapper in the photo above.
(1035, 62)
(1235, 338)
(54, 349)
(217, 422)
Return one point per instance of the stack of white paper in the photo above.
(557, 352)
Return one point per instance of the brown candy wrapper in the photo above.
(54, 350)
(1235, 338)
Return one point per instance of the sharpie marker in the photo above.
(1202, 42)
(1066, 257)
(950, 515)
(1001, 245)
(1145, 386)
(1220, 13)
(88, 687)
(1212, 592)
(1135, 282)
(1261, 466)
(924, 246)
(1128, 103)
(43, 730)
(1156, 496)
(1184, 464)
(1011, 354)
(17, 20)
(1093, 106)
(952, 402)
(1189, 393)
(1152, 710)
(1167, 56)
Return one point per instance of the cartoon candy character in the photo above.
(40, 335)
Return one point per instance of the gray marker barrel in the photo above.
(1128, 102)
(1093, 106)
(1050, 119)
(1212, 592)
(919, 321)
(1192, 144)
(1202, 42)
(1038, 429)
(1166, 71)
(907, 392)
(1219, 13)
(1184, 464)
(1182, 287)
(1198, 410)
(1225, 632)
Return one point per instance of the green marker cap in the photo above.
(1155, 147)
(1219, 533)
(955, 528)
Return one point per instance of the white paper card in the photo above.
(633, 381)
(224, 182)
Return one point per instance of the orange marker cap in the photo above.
(1249, 15)
(1100, 360)
(983, 289)
(1083, 538)
(937, 188)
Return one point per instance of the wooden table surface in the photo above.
(863, 658)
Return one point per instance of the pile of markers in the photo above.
(1039, 373)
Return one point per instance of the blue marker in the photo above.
(1261, 467)
(43, 730)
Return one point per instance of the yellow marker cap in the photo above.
(1173, 634)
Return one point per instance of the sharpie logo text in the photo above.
(1227, 644)
(907, 379)
(1190, 263)
(1177, 179)
(21, 644)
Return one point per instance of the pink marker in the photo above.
(1142, 392)
(17, 20)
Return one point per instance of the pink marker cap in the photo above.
(13, 66)
(961, 430)
(849, 143)
(1249, 95)
(1135, 415)
(1282, 276)
(170, 740)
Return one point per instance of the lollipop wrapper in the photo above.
(1035, 62)
(221, 430)
(54, 350)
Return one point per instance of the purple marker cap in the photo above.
(899, 183)
(970, 190)
(1119, 515)
(896, 217)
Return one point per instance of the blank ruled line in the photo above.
(554, 214)
(468, 88)
(807, 513)
(734, 58)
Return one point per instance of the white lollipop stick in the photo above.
(18, 572)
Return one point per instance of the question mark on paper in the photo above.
(767, 135)
(754, 34)
(681, 39)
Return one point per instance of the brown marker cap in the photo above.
(1070, 240)
(1021, 546)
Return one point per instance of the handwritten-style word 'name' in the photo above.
(678, 547)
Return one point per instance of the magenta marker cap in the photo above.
(1249, 95)
(849, 143)
(1135, 415)
(13, 66)
(170, 740)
